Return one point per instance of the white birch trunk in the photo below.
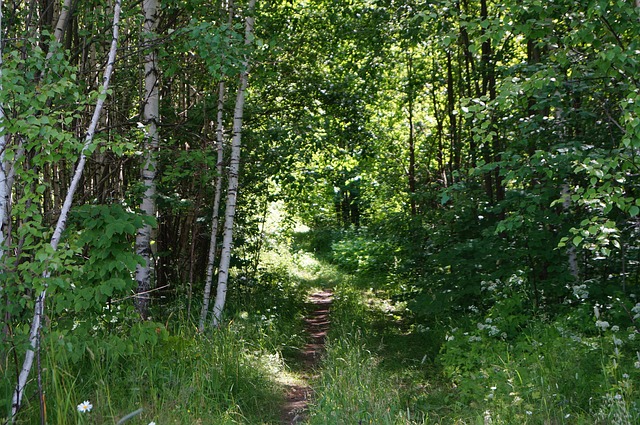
(5, 190)
(234, 170)
(61, 24)
(215, 219)
(36, 323)
(151, 119)
(216, 208)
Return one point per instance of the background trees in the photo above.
(454, 142)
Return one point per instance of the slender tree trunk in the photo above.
(5, 190)
(215, 219)
(439, 129)
(36, 323)
(61, 23)
(454, 161)
(412, 149)
(234, 169)
(151, 119)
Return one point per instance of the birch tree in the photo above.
(5, 190)
(36, 322)
(234, 170)
(215, 219)
(151, 118)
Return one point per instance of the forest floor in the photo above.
(299, 392)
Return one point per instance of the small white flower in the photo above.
(618, 397)
(529, 412)
(602, 324)
(85, 406)
(615, 328)
(152, 423)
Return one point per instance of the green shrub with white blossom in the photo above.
(520, 367)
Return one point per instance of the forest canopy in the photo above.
(477, 161)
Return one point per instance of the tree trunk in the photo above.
(215, 218)
(151, 119)
(216, 207)
(36, 323)
(454, 161)
(5, 190)
(234, 169)
(412, 148)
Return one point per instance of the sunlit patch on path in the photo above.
(317, 324)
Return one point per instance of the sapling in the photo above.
(36, 323)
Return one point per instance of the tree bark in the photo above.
(215, 216)
(234, 169)
(215, 219)
(36, 323)
(412, 150)
(151, 119)
(5, 190)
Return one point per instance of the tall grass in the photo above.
(353, 386)
(225, 376)
(184, 379)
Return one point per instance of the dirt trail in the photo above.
(294, 410)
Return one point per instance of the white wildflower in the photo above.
(85, 406)
(602, 325)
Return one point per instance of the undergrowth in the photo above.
(176, 375)
(502, 359)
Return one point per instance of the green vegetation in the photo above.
(498, 360)
(463, 174)
(175, 374)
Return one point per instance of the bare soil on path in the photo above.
(294, 410)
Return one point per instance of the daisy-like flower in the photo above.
(85, 406)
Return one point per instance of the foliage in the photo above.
(576, 366)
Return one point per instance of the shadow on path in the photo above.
(294, 410)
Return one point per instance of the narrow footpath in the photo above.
(295, 408)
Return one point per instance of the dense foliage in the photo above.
(474, 162)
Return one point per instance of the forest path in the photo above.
(317, 321)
